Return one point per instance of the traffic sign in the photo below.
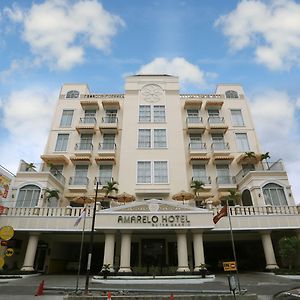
(9, 252)
(6, 233)
(229, 266)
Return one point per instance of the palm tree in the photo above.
(249, 155)
(30, 167)
(49, 194)
(197, 187)
(110, 187)
(234, 197)
(265, 157)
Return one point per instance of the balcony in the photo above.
(220, 148)
(87, 125)
(199, 159)
(205, 179)
(261, 169)
(109, 104)
(197, 148)
(107, 149)
(195, 124)
(215, 102)
(85, 149)
(81, 159)
(56, 158)
(109, 124)
(216, 125)
(192, 102)
(226, 183)
(78, 183)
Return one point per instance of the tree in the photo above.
(249, 155)
(265, 156)
(30, 167)
(49, 194)
(197, 187)
(234, 197)
(110, 187)
(288, 249)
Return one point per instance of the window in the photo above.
(159, 113)
(89, 116)
(160, 139)
(105, 174)
(214, 116)
(152, 172)
(242, 142)
(199, 173)
(85, 142)
(62, 142)
(237, 117)
(231, 94)
(72, 94)
(219, 142)
(145, 113)
(192, 115)
(144, 138)
(66, 118)
(223, 174)
(56, 171)
(108, 142)
(196, 141)
(28, 196)
(144, 172)
(80, 177)
(274, 194)
(160, 172)
(110, 116)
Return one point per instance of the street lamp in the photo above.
(88, 268)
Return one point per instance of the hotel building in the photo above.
(154, 142)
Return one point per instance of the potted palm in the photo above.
(109, 188)
(197, 187)
(234, 197)
(30, 167)
(50, 194)
(265, 156)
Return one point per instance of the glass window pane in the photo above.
(66, 118)
(144, 172)
(145, 113)
(105, 173)
(160, 139)
(237, 117)
(242, 142)
(159, 113)
(160, 172)
(144, 138)
(62, 142)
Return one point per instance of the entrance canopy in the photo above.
(154, 214)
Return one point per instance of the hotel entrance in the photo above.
(154, 255)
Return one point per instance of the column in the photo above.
(125, 252)
(269, 251)
(109, 250)
(30, 252)
(198, 250)
(182, 252)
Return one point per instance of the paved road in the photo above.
(263, 284)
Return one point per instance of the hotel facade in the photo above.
(154, 142)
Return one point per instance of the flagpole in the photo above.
(233, 246)
(81, 248)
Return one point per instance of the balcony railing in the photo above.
(79, 180)
(103, 180)
(205, 179)
(107, 146)
(219, 146)
(88, 120)
(110, 120)
(57, 174)
(215, 120)
(84, 146)
(262, 167)
(194, 120)
(225, 180)
(197, 146)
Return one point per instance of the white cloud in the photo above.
(178, 66)
(274, 115)
(58, 32)
(27, 122)
(272, 28)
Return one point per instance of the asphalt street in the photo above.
(263, 284)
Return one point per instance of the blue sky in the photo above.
(44, 44)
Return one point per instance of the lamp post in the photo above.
(88, 268)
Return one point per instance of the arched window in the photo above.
(28, 196)
(72, 94)
(246, 198)
(231, 94)
(274, 194)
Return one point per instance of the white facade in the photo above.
(154, 142)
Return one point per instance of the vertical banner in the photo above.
(4, 186)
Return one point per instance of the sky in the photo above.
(44, 44)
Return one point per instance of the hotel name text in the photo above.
(156, 220)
